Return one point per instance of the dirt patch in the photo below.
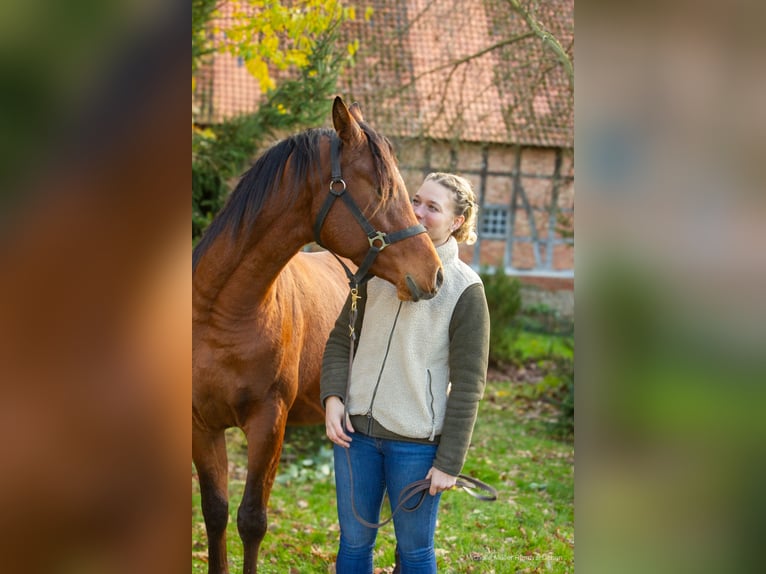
(532, 372)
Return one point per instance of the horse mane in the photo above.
(243, 206)
(384, 159)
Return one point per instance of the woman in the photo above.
(418, 374)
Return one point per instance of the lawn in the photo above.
(529, 529)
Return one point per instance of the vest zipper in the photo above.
(368, 414)
(433, 414)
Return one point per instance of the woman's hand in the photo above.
(440, 481)
(333, 422)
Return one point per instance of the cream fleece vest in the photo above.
(400, 374)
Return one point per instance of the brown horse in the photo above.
(262, 311)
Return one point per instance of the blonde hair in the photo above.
(465, 204)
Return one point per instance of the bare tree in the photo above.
(506, 63)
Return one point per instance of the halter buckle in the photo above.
(379, 236)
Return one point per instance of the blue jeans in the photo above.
(379, 465)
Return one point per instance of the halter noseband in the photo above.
(379, 240)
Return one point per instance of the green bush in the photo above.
(536, 335)
(504, 302)
(541, 318)
(558, 390)
(222, 152)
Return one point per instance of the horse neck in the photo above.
(235, 276)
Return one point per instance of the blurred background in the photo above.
(670, 277)
(94, 286)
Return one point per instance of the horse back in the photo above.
(317, 284)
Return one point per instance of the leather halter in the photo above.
(379, 240)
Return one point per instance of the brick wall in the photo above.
(521, 185)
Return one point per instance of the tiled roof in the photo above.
(404, 80)
(406, 85)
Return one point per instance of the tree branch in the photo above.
(547, 38)
(465, 59)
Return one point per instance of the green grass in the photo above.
(529, 529)
(538, 346)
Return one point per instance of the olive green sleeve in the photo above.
(335, 359)
(468, 360)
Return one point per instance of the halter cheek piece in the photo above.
(379, 240)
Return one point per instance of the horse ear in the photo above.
(347, 127)
(356, 111)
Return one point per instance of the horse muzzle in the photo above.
(417, 293)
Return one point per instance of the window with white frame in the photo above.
(494, 222)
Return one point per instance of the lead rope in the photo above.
(419, 487)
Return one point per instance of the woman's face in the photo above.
(435, 210)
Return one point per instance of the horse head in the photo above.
(381, 234)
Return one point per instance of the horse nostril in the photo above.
(439, 278)
(414, 290)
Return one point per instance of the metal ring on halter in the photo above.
(379, 236)
(333, 182)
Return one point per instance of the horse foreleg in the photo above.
(265, 433)
(209, 456)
